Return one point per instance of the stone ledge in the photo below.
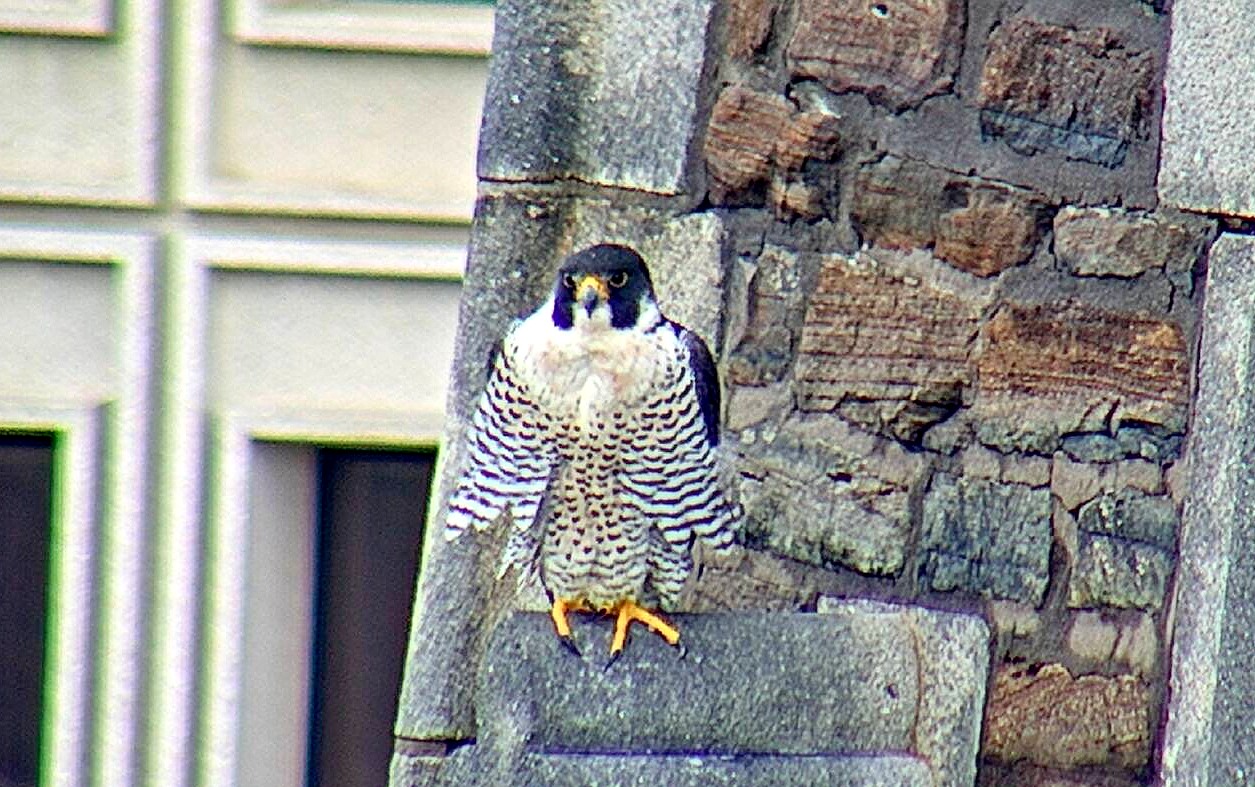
(806, 688)
(637, 770)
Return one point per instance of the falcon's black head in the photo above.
(607, 274)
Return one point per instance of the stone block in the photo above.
(823, 492)
(1129, 513)
(741, 142)
(756, 149)
(1074, 483)
(763, 348)
(986, 537)
(1208, 145)
(1126, 244)
(749, 26)
(896, 53)
(1115, 572)
(1211, 698)
(977, 226)
(873, 334)
(1046, 716)
(571, 83)
(1085, 92)
(954, 664)
(1048, 370)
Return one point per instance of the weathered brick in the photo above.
(986, 537)
(1082, 91)
(1125, 244)
(741, 141)
(1115, 572)
(822, 492)
(977, 226)
(749, 25)
(987, 237)
(872, 334)
(776, 291)
(1129, 513)
(897, 53)
(1052, 369)
(1046, 716)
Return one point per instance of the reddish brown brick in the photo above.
(1046, 716)
(1082, 91)
(987, 236)
(975, 225)
(897, 53)
(749, 25)
(745, 125)
(871, 334)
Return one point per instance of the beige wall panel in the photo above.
(78, 119)
(347, 133)
(285, 341)
(59, 327)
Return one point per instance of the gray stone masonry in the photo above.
(1211, 709)
(601, 92)
(865, 694)
(1208, 147)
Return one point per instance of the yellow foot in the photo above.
(559, 612)
(627, 612)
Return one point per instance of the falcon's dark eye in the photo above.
(568, 281)
(618, 278)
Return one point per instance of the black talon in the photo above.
(683, 650)
(613, 658)
(569, 644)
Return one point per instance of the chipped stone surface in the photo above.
(1057, 368)
(756, 149)
(749, 24)
(571, 81)
(777, 288)
(822, 492)
(986, 537)
(1084, 92)
(977, 226)
(1117, 573)
(873, 335)
(896, 53)
(1132, 514)
(1048, 717)
(986, 237)
(1125, 244)
(741, 141)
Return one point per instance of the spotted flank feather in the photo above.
(509, 457)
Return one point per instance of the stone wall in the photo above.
(961, 338)
(956, 329)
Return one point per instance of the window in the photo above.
(333, 545)
(25, 538)
(371, 511)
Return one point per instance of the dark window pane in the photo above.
(25, 530)
(371, 511)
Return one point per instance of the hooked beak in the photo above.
(590, 291)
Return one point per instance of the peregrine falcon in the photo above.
(598, 431)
